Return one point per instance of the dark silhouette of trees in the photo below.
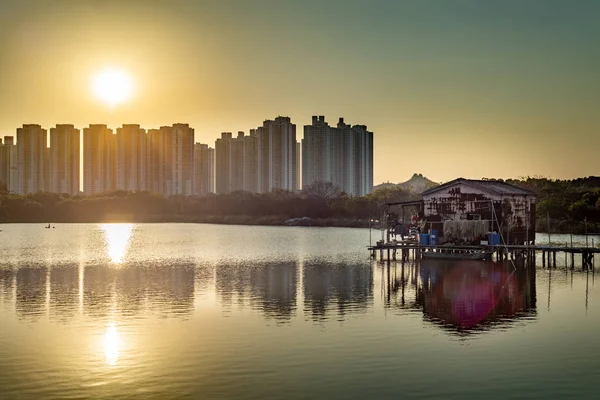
(323, 190)
(568, 203)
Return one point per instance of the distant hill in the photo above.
(417, 184)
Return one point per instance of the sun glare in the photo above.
(111, 343)
(112, 86)
(117, 238)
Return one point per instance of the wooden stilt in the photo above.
(543, 259)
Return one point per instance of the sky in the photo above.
(450, 88)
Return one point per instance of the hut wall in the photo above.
(512, 212)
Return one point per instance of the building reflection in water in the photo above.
(131, 290)
(268, 286)
(336, 288)
(30, 302)
(64, 292)
(7, 285)
(463, 296)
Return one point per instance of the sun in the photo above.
(112, 86)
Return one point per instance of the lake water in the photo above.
(169, 311)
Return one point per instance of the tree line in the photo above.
(568, 203)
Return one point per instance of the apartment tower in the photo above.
(31, 158)
(64, 160)
(99, 168)
(204, 169)
(8, 164)
(131, 158)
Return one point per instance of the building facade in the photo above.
(298, 166)
(223, 163)
(263, 161)
(342, 155)
(170, 160)
(8, 164)
(99, 160)
(204, 169)
(64, 160)
(281, 154)
(131, 158)
(493, 205)
(250, 169)
(32, 152)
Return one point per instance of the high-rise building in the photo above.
(31, 159)
(223, 163)
(99, 166)
(260, 162)
(181, 147)
(362, 160)
(170, 160)
(282, 154)
(298, 166)
(204, 169)
(262, 159)
(236, 163)
(8, 164)
(250, 167)
(316, 153)
(64, 160)
(155, 146)
(131, 158)
(342, 155)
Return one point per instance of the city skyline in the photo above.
(509, 87)
(98, 159)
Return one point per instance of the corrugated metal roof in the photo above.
(497, 187)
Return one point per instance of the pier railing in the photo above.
(520, 254)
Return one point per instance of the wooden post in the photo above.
(543, 259)
(571, 240)
(586, 235)
(554, 259)
(572, 260)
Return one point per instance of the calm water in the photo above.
(232, 312)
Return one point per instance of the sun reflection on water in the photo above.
(117, 238)
(111, 344)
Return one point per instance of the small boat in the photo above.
(476, 255)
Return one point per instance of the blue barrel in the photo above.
(434, 238)
(494, 239)
(424, 239)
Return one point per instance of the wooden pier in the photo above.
(521, 254)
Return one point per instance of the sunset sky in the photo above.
(449, 88)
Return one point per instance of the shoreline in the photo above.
(258, 221)
(225, 220)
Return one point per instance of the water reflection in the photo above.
(111, 344)
(64, 292)
(268, 287)
(336, 288)
(30, 301)
(463, 296)
(117, 238)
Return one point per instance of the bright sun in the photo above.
(112, 86)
